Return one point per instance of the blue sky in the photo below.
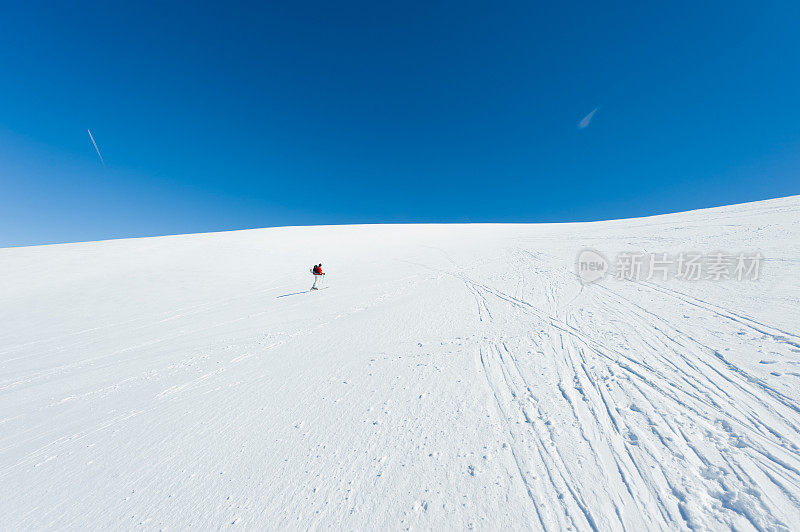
(240, 115)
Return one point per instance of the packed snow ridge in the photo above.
(450, 376)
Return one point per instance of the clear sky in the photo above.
(234, 115)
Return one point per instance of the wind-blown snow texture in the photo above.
(450, 376)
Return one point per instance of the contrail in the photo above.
(587, 119)
(96, 148)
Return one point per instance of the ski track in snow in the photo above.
(676, 402)
(451, 376)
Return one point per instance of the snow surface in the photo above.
(451, 376)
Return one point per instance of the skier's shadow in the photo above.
(292, 294)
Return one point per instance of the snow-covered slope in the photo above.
(450, 376)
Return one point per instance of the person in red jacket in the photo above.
(318, 273)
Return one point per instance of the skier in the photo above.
(318, 273)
